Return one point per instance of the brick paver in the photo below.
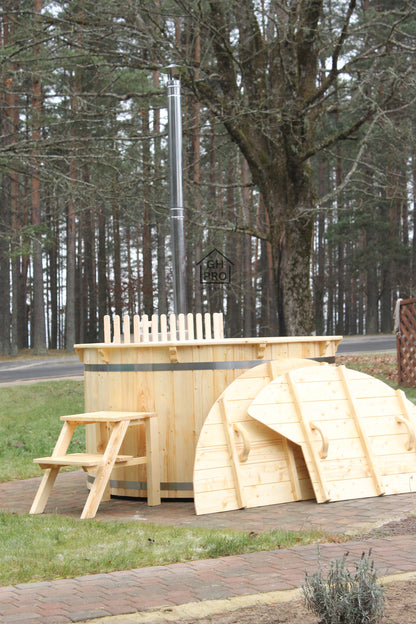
(127, 591)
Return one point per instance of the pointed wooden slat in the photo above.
(155, 328)
(107, 329)
(198, 323)
(145, 328)
(172, 327)
(218, 328)
(136, 328)
(116, 329)
(181, 327)
(163, 327)
(190, 325)
(207, 319)
(126, 329)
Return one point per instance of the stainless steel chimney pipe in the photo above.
(176, 194)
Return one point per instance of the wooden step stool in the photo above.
(102, 464)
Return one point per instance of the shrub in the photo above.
(344, 597)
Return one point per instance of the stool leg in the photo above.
(44, 490)
(102, 441)
(104, 471)
(152, 463)
(50, 474)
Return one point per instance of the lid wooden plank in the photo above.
(361, 432)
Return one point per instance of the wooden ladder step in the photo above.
(78, 459)
(90, 418)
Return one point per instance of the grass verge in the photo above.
(30, 424)
(37, 548)
(28, 354)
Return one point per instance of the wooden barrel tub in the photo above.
(180, 381)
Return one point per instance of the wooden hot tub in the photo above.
(180, 380)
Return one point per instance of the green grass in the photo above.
(35, 548)
(30, 424)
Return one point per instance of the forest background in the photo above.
(299, 163)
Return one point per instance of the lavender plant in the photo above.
(344, 597)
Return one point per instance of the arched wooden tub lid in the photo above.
(239, 462)
(357, 433)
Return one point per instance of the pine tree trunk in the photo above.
(147, 218)
(19, 332)
(319, 277)
(118, 300)
(371, 289)
(288, 200)
(5, 317)
(162, 292)
(38, 328)
(80, 307)
(70, 273)
(291, 265)
(233, 321)
(131, 303)
(53, 277)
(70, 311)
(102, 272)
(89, 275)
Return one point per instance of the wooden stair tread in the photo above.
(78, 459)
(106, 416)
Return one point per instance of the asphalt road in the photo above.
(21, 371)
(367, 344)
(14, 371)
